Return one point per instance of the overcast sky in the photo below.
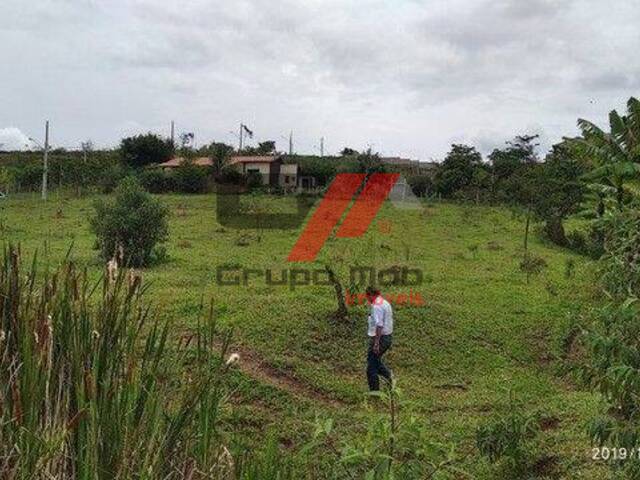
(405, 77)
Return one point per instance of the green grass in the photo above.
(482, 325)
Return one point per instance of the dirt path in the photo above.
(253, 365)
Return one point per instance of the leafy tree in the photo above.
(369, 162)
(480, 182)
(142, 150)
(220, 154)
(190, 178)
(525, 187)
(457, 169)
(559, 191)
(266, 148)
(248, 150)
(318, 168)
(421, 185)
(348, 152)
(509, 164)
(524, 147)
(186, 140)
(131, 225)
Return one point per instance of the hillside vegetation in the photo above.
(483, 335)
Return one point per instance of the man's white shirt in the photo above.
(381, 315)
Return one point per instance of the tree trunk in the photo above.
(526, 232)
(554, 229)
(341, 312)
(620, 197)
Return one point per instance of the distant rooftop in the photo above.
(255, 158)
(207, 162)
(177, 161)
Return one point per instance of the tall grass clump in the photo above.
(91, 388)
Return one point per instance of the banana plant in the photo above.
(615, 155)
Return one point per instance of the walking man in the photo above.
(380, 336)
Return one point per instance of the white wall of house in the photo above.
(263, 168)
(288, 175)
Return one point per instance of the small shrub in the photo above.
(254, 181)
(569, 268)
(134, 222)
(495, 246)
(508, 438)
(156, 181)
(532, 265)
(110, 178)
(243, 240)
(587, 243)
(386, 449)
(551, 288)
(191, 178)
(230, 176)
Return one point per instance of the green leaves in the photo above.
(509, 437)
(615, 155)
(83, 381)
(129, 227)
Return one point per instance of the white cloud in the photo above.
(12, 138)
(407, 76)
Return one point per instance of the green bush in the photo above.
(156, 181)
(134, 222)
(254, 180)
(586, 243)
(191, 178)
(230, 176)
(421, 185)
(507, 438)
(110, 178)
(27, 176)
(611, 368)
(620, 265)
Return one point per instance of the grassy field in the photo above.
(482, 332)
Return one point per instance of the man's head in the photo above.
(371, 293)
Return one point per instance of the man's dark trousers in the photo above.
(375, 366)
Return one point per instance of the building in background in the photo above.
(270, 168)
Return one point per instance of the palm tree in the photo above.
(615, 155)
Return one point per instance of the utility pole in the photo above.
(240, 147)
(291, 143)
(45, 171)
(173, 131)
